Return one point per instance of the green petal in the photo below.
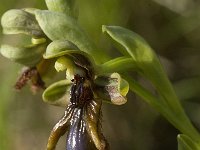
(28, 56)
(186, 143)
(59, 48)
(112, 87)
(67, 64)
(17, 21)
(58, 93)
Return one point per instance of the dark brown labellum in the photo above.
(82, 120)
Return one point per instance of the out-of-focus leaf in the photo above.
(188, 88)
(28, 56)
(17, 21)
(186, 143)
(58, 93)
(112, 87)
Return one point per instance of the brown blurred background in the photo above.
(171, 27)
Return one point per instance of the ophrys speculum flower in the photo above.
(82, 93)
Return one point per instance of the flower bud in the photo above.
(17, 21)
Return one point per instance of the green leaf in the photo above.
(186, 143)
(28, 56)
(144, 59)
(17, 21)
(58, 26)
(58, 93)
(112, 87)
(132, 43)
(141, 53)
(63, 6)
(149, 66)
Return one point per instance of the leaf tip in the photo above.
(104, 28)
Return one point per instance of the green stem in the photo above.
(179, 120)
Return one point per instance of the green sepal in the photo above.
(58, 93)
(186, 143)
(30, 10)
(17, 21)
(64, 6)
(28, 55)
(112, 88)
(58, 26)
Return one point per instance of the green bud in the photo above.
(17, 21)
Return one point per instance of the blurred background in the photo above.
(171, 27)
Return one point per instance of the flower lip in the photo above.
(81, 91)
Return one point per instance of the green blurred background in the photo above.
(171, 27)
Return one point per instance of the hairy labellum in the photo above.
(81, 121)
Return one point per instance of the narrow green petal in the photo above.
(112, 87)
